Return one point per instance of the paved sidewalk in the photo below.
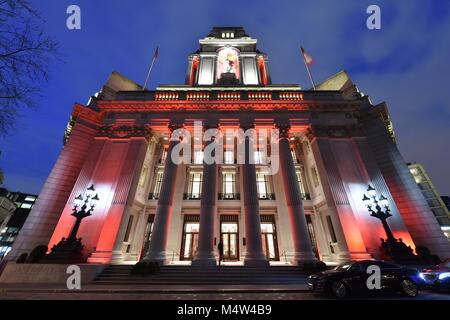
(156, 288)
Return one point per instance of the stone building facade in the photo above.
(333, 143)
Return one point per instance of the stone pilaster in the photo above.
(412, 205)
(109, 245)
(44, 216)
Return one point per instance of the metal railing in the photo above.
(153, 196)
(284, 254)
(192, 196)
(266, 196)
(229, 196)
(174, 255)
(306, 196)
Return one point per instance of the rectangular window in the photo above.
(195, 185)
(229, 157)
(163, 156)
(331, 229)
(198, 157)
(26, 205)
(300, 183)
(315, 177)
(30, 198)
(261, 184)
(127, 232)
(258, 157)
(439, 212)
(158, 182)
(294, 156)
(143, 176)
(228, 183)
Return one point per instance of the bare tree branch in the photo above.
(25, 56)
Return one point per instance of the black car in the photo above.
(351, 279)
(437, 278)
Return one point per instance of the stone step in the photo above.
(188, 282)
(202, 269)
(195, 275)
(208, 272)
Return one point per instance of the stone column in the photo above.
(157, 248)
(208, 208)
(302, 243)
(254, 255)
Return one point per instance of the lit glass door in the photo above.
(269, 240)
(147, 235)
(312, 236)
(190, 240)
(229, 236)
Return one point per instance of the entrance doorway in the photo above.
(189, 244)
(312, 235)
(269, 238)
(147, 235)
(229, 233)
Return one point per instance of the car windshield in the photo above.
(343, 267)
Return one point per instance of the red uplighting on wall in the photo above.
(262, 70)
(194, 69)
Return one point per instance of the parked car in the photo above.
(437, 278)
(351, 279)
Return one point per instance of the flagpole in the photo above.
(150, 70)
(307, 69)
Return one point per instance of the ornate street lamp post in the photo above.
(82, 208)
(392, 249)
(69, 250)
(379, 208)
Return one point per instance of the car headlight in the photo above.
(444, 275)
(421, 276)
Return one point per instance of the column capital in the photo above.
(284, 129)
(211, 125)
(335, 131)
(175, 126)
(124, 131)
(247, 124)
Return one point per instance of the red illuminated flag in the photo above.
(308, 59)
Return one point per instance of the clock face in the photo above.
(228, 62)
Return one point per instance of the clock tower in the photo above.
(228, 57)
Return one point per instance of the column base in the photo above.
(103, 257)
(304, 257)
(159, 257)
(117, 257)
(204, 259)
(256, 262)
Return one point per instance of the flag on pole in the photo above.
(155, 57)
(308, 59)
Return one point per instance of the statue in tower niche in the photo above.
(228, 67)
(229, 63)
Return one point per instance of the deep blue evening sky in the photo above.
(406, 63)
